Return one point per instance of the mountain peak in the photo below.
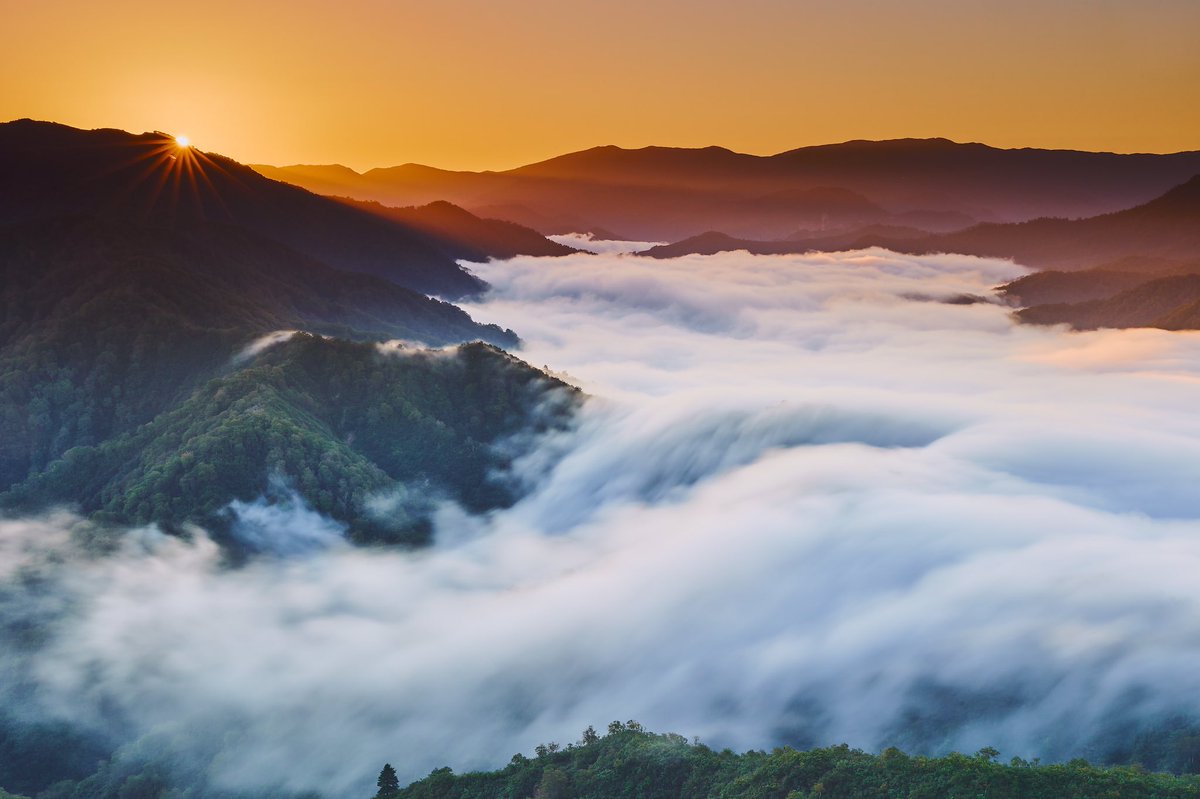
(48, 170)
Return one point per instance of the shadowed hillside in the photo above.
(49, 170)
(461, 234)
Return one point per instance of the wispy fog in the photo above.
(801, 507)
(589, 243)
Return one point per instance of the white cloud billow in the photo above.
(800, 507)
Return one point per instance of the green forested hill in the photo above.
(107, 325)
(629, 763)
(339, 421)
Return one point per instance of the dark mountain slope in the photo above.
(1051, 287)
(1166, 227)
(1170, 303)
(49, 170)
(460, 234)
(714, 242)
(106, 324)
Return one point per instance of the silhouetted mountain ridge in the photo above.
(49, 170)
(460, 234)
(666, 193)
(1167, 227)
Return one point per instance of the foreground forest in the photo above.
(630, 763)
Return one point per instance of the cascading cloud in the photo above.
(801, 507)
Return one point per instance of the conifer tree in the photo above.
(389, 783)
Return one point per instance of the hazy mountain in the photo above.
(1171, 303)
(857, 238)
(664, 193)
(1136, 258)
(1105, 281)
(461, 234)
(1165, 229)
(49, 170)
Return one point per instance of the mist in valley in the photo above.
(809, 500)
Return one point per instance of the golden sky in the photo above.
(491, 84)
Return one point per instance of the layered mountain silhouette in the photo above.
(1130, 268)
(464, 235)
(1171, 302)
(1167, 227)
(150, 365)
(49, 170)
(666, 194)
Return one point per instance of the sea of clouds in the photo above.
(811, 499)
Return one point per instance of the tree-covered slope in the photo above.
(366, 437)
(1170, 303)
(107, 324)
(631, 764)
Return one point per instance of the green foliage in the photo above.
(107, 325)
(340, 422)
(388, 782)
(120, 395)
(32, 753)
(632, 764)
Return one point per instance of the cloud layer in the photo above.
(809, 502)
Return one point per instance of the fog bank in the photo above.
(809, 502)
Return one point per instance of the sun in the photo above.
(183, 141)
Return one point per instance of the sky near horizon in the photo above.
(472, 84)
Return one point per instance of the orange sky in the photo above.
(473, 84)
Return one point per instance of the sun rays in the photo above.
(172, 180)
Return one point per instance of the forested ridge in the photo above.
(630, 763)
(107, 324)
(122, 395)
(340, 422)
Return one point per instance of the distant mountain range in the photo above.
(666, 194)
(1130, 268)
(1167, 227)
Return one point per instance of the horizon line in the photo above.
(890, 140)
